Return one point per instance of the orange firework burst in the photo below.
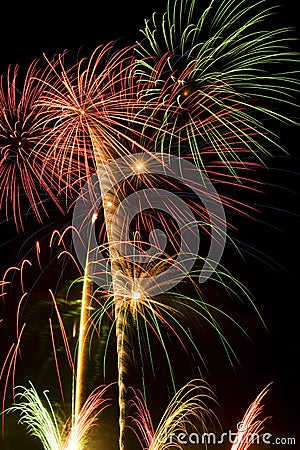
(91, 107)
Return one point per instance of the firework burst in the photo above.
(252, 423)
(42, 422)
(190, 410)
(91, 107)
(37, 413)
(20, 165)
(135, 279)
(218, 76)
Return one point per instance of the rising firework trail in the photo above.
(83, 340)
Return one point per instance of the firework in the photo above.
(189, 414)
(218, 75)
(189, 411)
(252, 424)
(138, 276)
(98, 115)
(90, 107)
(198, 89)
(41, 421)
(20, 165)
(39, 417)
(83, 343)
(24, 282)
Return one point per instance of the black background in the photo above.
(29, 29)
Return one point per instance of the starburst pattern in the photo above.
(20, 163)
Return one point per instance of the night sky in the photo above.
(270, 268)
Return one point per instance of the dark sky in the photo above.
(28, 28)
(55, 26)
(33, 28)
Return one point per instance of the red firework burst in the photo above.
(22, 185)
